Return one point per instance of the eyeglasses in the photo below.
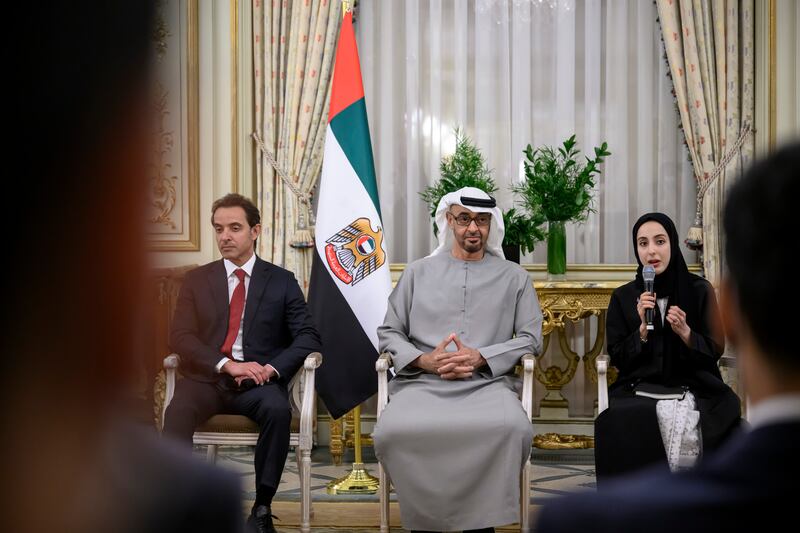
(463, 219)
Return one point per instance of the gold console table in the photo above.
(570, 301)
(343, 436)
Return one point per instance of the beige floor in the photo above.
(553, 474)
(358, 517)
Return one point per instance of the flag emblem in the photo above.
(355, 251)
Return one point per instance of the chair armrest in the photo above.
(384, 362)
(382, 366)
(310, 365)
(528, 361)
(171, 363)
(601, 363)
(313, 361)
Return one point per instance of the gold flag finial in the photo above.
(345, 7)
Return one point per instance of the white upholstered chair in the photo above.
(237, 430)
(527, 362)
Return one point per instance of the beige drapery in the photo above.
(709, 45)
(294, 42)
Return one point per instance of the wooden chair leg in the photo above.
(211, 453)
(525, 497)
(384, 484)
(305, 491)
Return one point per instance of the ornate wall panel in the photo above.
(173, 202)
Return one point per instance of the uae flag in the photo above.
(350, 279)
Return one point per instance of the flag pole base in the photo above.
(358, 481)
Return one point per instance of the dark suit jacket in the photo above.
(748, 482)
(277, 326)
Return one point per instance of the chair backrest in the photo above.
(164, 285)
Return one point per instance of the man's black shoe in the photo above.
(260, 520)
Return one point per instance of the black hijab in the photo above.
(675, 282)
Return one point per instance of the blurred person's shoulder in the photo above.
(706, 498)
(165, 488)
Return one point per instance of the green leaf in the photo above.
(558, 183)
(522, 230)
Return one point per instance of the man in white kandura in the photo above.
(454, 435)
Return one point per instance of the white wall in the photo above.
(777, 116)
(787, 75)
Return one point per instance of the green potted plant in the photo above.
(467, 168)
(523, 231)
(560, 187)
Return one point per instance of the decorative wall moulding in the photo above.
(173, 178)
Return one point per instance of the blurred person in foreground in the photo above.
(756, 470)
(79, 131)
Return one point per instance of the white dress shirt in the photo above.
(236, 351)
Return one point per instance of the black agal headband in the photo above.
(478, 202)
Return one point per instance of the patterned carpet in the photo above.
(554, 473)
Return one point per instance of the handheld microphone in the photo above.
(649, 275)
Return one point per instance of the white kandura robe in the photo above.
(455, 449)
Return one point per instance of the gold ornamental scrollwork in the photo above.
(173, 180)
(163, 192)
(163, 195)
(159, 397)
(559, 441)
(337, 441)
(160, 32)
(563, 302)
(342, 437)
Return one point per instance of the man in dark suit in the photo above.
(242, 330)
(753, 476)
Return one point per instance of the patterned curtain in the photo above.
(293, 51)
(709, 45)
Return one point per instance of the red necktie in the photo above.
(235, 314)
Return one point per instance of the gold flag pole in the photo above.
(359, 480)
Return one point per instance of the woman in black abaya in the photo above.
(679, 354)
